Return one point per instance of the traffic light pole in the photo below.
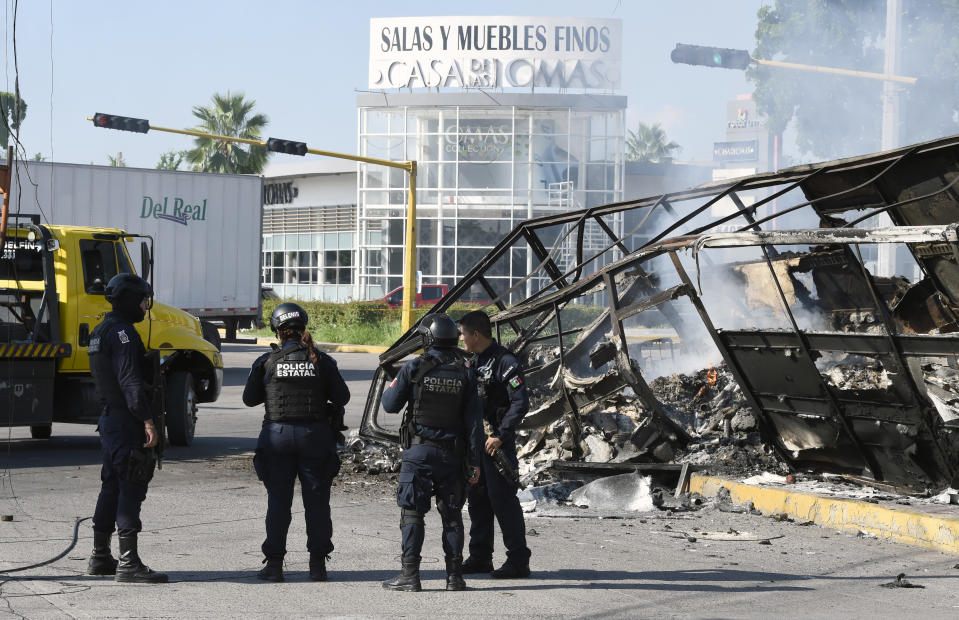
(740, 59)
(848, 72)
(727, 58)
(409, 273)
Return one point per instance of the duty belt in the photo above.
(106, 412)
(443, 444)
(324, 420)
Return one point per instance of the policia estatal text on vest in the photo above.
(304, 395)
(441, 436)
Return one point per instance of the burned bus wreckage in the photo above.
(820, 303)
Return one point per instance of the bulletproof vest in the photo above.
(442, 391)
(491, 389)
(293, 391)
(101, 367)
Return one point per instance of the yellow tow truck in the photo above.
(52, 281)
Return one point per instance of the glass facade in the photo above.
(315, 266)
(484, 166)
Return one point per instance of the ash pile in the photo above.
(366, 456)
(702, 418)
(713, 426)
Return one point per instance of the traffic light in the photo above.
(286, 146)
(710, 56)
(123, 123)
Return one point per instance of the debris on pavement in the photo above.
(901, 582)
(625, 492)
(370, 456)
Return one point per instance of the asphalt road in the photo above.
(203, 526)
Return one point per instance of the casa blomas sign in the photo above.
(495, 52)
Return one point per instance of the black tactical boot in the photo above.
(454, 573)
(101, 560)
(317, 567)
(473, 565)
(273, 571)
(511, 571)
(408, 579)
(131, 569)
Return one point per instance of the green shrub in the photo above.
(356, 322)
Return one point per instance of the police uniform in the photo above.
(505, 403)
(446, 422)
(297, 439)
(118, 365)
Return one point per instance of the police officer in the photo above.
(440, 435)
(127, 434)
(505, 402)
(303, 392)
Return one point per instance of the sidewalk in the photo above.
(920, 524)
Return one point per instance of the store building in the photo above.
(309, 229)
(486, 161)
(508, 118)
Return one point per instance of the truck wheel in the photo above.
(180, 408)
(41, 431)
(211, 334)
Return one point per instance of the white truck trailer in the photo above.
(207, 229)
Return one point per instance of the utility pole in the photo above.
(891, 95)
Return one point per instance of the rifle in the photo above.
(336, 415)
(506, 469)
(502, 464)
(406, 428)
(157, 393)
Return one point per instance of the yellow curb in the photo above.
(896, 523)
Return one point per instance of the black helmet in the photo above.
(439, 331)
(128, 284)
(289, 315)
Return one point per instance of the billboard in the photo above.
(495, 52)
(739, 150)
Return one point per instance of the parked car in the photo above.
(429, 294)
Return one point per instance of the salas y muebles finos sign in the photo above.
(495, 52)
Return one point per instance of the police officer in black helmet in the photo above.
(505, 403)
(304, 395)
(127, 433)
(442, 442)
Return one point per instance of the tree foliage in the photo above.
(171, 160)
(13, 115)
(838, 116)
(649, 143)
(229, 115)
(118, 161)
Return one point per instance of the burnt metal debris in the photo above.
(770, 291)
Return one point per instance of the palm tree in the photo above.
(13, 109)
(171, 160)
(648, 143)
(230, 115)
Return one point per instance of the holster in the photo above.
(406, 430)
(139, 466)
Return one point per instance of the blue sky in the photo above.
(304, 61)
